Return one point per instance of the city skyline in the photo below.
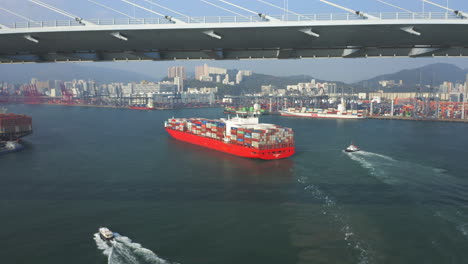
(159, 70)
(176, 76)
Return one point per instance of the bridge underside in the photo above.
(233, 43)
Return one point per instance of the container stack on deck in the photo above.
(14, 126)
(201, 127)
(262, 138)
(257, 137)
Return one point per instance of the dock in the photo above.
(446, 120)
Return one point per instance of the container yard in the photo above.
(242, 136)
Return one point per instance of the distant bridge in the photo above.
(233, 38)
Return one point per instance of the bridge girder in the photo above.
(278, 40)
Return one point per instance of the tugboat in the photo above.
(352, 148)
(106, 234)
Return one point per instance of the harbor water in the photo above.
(403, 199)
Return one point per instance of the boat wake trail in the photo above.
(396, 172)
(123, 251)
(425, 185)
(333, 211)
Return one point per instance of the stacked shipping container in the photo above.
(262, 138)
(201, 127)
(14, 126)
(331, 111)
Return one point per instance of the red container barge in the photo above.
(241, 136)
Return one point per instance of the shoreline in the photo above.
(124, 107)
(418, 119)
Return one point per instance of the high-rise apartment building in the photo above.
(177, 71)
(180, 84)
(465, 92)
(203, 71)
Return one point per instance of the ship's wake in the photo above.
(396, 172)
(123, 251)
(337, 216)
(428, 186)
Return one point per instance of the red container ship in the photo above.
(241, 136)
(12, 128)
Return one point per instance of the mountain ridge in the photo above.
(428, 75)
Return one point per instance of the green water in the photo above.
(403, 200)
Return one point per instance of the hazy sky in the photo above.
(347, 70)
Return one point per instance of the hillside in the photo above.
(253, 84)
(432, 75)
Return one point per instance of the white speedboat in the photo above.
(352, 148)
(106, 234)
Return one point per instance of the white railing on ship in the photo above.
(238, 19)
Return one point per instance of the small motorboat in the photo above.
(352, 148)
(106, 234)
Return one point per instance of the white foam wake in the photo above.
(424, 184)
(333, 210)
(392, 171)
(336, 215)
(123, 251)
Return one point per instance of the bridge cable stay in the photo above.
(225, 9)
(281, 8)
(358, 13)
(16, 14)
(169, 18)
(3, 27)
(263, 16)
(395, 6)
(171, 10)
(457, 12)
(64, 13)
(307, 31)
(112, 9)
(168, 9)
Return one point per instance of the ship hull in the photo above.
(4, 151)
(241, 151)
(313, 115)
